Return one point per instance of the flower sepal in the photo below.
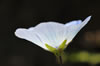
(57, 51)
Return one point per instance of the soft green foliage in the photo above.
(83, 56)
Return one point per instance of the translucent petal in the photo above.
(75, 22)
(51, 33)
(30, 35)
(73, 28)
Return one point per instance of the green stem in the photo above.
(58, 55)
(60, 60)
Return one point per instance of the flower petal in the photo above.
(74, 27)
(51, 33)
(30, 35)
(75, 22)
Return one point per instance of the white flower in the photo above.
(52, 34)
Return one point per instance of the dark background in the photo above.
(27, 13)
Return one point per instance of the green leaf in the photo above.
(62, 46)
(52, 49)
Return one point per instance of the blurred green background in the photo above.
(84, 50)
